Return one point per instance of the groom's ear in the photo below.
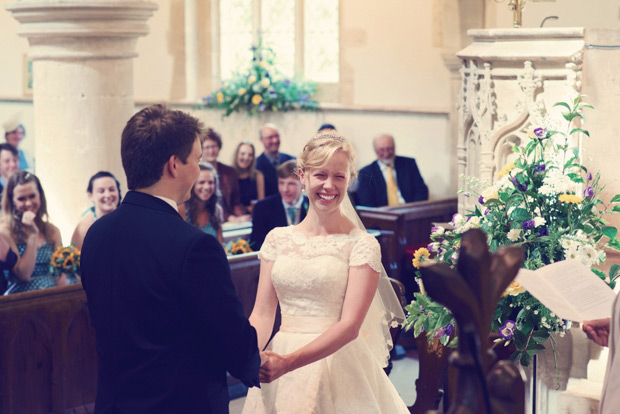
(170, 168)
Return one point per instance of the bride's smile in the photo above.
(326, 185)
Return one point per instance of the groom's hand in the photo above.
(263, 359)
(274, 368)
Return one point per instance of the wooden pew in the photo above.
(405, 225)
(48, 361)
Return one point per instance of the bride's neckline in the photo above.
(296, 232)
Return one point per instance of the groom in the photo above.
(167, 321)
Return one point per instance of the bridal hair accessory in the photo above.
(338, 138)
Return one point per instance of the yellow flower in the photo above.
(264, 65)
(220, 97)
(256, 99)
(419, 256)
(241, 91)
(570, 199)
(507, 168)
(515, 288)
(251, 79)
(265, 82)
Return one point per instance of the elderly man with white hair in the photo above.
(271, 158)
(391, 180)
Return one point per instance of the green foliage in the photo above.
(261, 88)
(545, 201)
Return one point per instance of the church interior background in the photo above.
(396, 71)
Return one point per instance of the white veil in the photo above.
(385, 309)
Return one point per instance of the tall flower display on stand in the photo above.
(545, 201)
(261, 88)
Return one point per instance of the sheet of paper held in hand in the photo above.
(570, 290)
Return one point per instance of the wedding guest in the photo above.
(9, 162)
(229, 183)
(251, 181)
(25, 225)
(390, 180)
(8, 259)
(14, 133)
(326, 126)
(285, 208)
(104, 191)
(271, 158)
(202, 209)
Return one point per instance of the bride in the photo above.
(335, 299)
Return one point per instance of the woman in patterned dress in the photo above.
(203, 209)
(24, 224)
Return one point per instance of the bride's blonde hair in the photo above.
(322, 147)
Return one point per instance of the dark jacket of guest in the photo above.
(167, 320)
(268, 214)
(372, 190)
(264, 165)
(229, 187)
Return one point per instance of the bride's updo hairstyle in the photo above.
(322, 147)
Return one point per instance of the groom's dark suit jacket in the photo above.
(268, 214)
(372, 190)
(167, 321)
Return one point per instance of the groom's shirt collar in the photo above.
(169, 201)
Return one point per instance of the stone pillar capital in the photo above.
(92, 29)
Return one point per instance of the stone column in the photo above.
(82, 55)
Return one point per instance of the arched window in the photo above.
(304, 34)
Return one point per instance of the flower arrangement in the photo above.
(240, 246)
(261, 88)
(65, 260)
(545, 201)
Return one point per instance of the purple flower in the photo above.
(518, 185)
(261, 107)
(267, 74)
(528, 224)
(304, 97)
(486, 211)
(430, 248)
(481, 200)
(449, 328)
(588, 192)
(287, 82)
(589, 177)
(209, 99)
(508, 330)
(540, 132)
(539, 168)
(543, 231)
(441, 332)
(421, 308)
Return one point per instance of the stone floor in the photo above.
(403, 377)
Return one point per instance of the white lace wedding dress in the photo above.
(310, 277)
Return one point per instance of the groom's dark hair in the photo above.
(151, 137)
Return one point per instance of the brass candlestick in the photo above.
(517, 9)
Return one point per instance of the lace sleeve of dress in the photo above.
(366, 251)
(268, 250)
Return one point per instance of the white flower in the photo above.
(514, 235)
(489, 194)
(438, 231)
(539, 221)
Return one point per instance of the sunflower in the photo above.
(419, 256)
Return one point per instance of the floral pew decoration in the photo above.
(261, 88)
(240, 246)
(66, 260)
(545, 201)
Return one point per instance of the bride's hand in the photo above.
(274, 368)
(263, 358)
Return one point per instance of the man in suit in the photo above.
(167, 321)
(390, 180)
(271, 158)
(285, 208)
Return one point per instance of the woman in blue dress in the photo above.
(24, 224)
(202, 209)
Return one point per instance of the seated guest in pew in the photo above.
(229, 182)
(251, 181)
(24, 224)
(104, 191)
(9, 162)
(390, 180)
(285, 208)
(14, 133)
(202, 210)
(8, 259)
(325, 127)
(271, 158)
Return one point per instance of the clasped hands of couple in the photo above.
(272, 366)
